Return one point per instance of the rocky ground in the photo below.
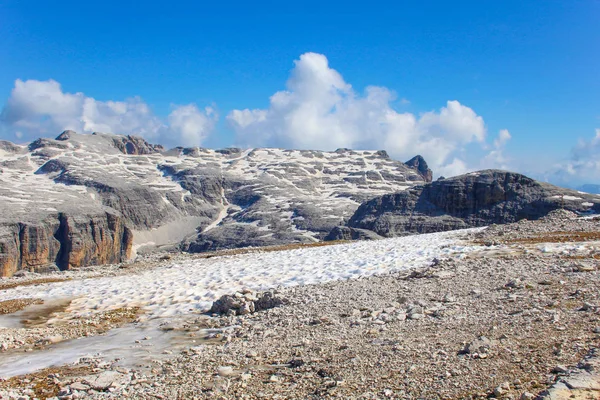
(518, 319)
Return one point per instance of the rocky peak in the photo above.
(66, 135)
(135, 145)
(418, 163)
(474, 199)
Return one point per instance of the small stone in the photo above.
(105, 380)
(480, 346)
(53, 339)
(246, 376)
(585, 268)
(527, 396)
(225, 371)
(560, 369)
(514, 284)
(596, 329)
(501, 390)
(296, 363)
(449, 299)
(79, 386)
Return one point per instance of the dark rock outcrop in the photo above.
(471, 200)
(347, 233)
(418, 163)
(135, 145)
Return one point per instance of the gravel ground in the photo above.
(512, 321)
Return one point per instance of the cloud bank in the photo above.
(320, 110)
(37, 108)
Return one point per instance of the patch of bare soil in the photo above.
(45, 383)
(554, 237)
(30, 282)
(11, 306)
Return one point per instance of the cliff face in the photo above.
(471, 200)
(65, 241)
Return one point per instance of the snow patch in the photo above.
(192, 286)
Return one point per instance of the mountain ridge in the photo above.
(201, 198)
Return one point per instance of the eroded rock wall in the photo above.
(65, 242)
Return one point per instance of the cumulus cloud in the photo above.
(38, 108)
(582, 167)
(192, 124)
(320, 110)
(496, 157)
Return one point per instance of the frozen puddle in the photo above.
(192, 286)
(132, 345)
(35, 314)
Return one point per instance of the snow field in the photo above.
(192, 286)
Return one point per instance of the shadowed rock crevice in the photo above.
(62, 235)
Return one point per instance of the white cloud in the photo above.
(39, 108)
(496, 158)
(192, 124)
(503, 137)
(320, 110)
(456, 167)
(583, 166)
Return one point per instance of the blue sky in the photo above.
(528, 67)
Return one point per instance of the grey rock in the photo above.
(134, 145)
(481, 345)
(560, 369)
(347, 233)
(418, 163)
(239, 304)
(471, 200)
(107, 379)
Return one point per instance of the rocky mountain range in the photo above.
(93, 199)
(83, 199)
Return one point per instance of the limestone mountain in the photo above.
(91, 199)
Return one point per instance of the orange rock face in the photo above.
(66, 241)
